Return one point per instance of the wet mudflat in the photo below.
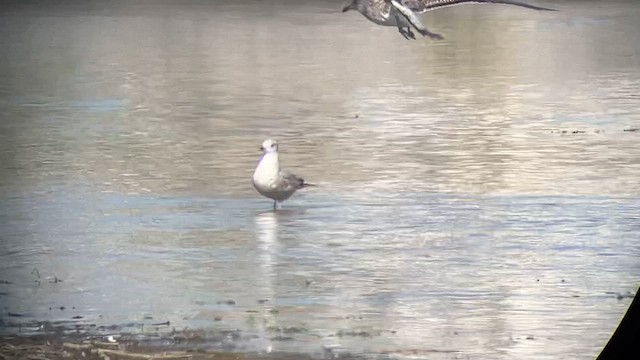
(477, 197)
(54, 348)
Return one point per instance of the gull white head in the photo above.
(269, 146)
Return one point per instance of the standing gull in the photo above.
(270, 180)
(402, 13)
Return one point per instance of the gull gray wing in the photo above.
(408, 14)
(291, 181)
(413, 19)
(421, 6)
(378, 9)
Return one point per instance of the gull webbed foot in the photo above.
(411, 34)
(406, 34)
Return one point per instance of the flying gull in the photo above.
(403, 13)
(270, 180)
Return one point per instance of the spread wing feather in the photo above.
(421, 6)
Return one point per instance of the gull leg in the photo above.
(410, 33)
(403, 33)
(275, 205)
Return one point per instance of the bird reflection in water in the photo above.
(268, 231)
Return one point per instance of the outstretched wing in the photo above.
(421, 6)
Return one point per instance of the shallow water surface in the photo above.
(477, 197)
